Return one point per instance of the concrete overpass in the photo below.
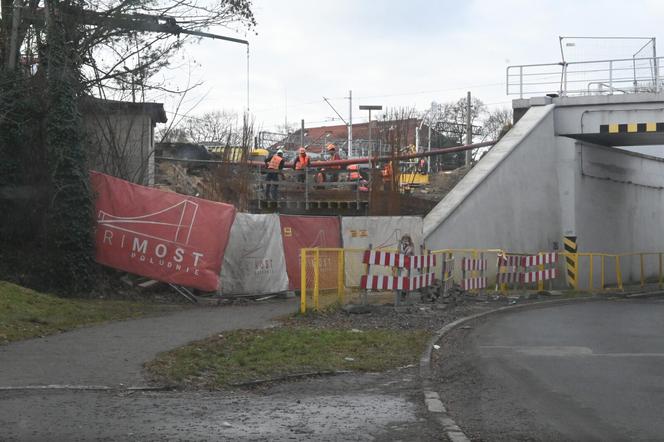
(560, 172)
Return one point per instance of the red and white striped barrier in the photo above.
(405, 283)
(471, 265)
(508, 269)
(377, 257)
(539, 275)
(536, 260)
(473, 283)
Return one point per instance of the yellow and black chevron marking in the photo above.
(571, 261)
(629, 128)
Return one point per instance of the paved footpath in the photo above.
(371, 407)
(113, 353)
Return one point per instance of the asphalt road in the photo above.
(591, 371)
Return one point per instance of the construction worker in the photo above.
(387, 176)
(353, 172)
(333, 156)
(274, 163)
(422, 166)
(301, 162)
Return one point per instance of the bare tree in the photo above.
(496, 124)
(216, 126)
(450, 118)
(115, 53)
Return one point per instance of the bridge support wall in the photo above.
(535, 187)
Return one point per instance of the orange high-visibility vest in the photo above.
(354, 172)
(303, 162)
(275, 162)
(387, 171)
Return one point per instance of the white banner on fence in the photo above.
(382, 232)
(254, 262)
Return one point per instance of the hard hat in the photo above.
(301, 150)
(280, 152)
(330, 147)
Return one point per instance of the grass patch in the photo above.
(25, 313)
(247, 355)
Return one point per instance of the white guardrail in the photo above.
(599, 77)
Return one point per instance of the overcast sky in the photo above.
(396, 53)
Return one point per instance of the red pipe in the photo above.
(365, 160)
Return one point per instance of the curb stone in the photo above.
(433, 401)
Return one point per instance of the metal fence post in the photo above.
(341, 287)
(618, 273)
(602, 273)
(306, 188)
(316, 274)
(590, 278)
(540, 267)
(611, 77)
(303, 280)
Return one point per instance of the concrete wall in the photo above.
(533, 188)
(619, 206)
(121, 145)
(510, 199)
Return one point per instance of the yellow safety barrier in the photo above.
(332, 275)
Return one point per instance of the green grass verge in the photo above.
(247, 355)
(26, 314)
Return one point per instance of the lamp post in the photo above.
(370, 107)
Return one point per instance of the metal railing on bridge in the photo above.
(310, 188)
(598, 77)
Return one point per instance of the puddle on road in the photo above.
(354, 416)
(206, 416)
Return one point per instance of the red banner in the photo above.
(162, 235)
(299, 232)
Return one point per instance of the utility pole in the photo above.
(371, 107)
(350, 124)
(469, 131)
(429, 149)
(302, 133)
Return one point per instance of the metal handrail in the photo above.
(563, 77)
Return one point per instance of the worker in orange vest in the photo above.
(274, 163)
(353, 172)
(387, 175)
(333, 156)
(301, 162)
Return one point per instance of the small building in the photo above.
(120, 136)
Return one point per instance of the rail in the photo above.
(309, 188)
(598, 77)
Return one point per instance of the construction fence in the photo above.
(381, 276)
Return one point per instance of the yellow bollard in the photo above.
(303, 280)
(590, 279)
(618, 273)
(602, 276)
(643, 276)
(340, 276)
(316, 271)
